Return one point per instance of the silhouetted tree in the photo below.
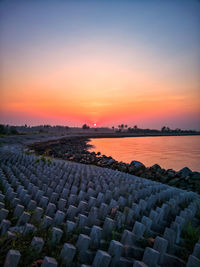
(85, 126)
(13, 130)
(3, 129)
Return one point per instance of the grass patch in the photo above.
(190, 237)
(44, 159)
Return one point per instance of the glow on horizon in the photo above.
(100, 63)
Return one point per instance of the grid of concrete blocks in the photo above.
(97, 216)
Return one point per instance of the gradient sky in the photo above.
(104, 62)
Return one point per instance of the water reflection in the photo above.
(173, 152)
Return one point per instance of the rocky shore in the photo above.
(75, 148)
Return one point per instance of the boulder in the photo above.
(195, 175)
(184, 172)
(137, 164)
(171, 173)
(164, 179)
(155, 167)
(173, 182)
(110, 161)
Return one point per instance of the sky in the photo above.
(105, 62)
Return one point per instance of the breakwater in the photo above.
(61, 213)
(75, 148)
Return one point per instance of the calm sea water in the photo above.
(170, 152)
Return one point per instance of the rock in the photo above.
(122, 167)
(171, 173)
(158, 175)
(155, 167)
(173, 182)
(190, 181)
(184, 172)
(164, 179)
(111, 161)
(137, 164)
(195, 175)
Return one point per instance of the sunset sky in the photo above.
(105, 62)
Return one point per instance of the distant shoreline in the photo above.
(28, 138)
(121, 135)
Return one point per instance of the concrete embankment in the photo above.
(75, 148)
(61, 213)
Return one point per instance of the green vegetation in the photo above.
(85, 127)
(115, 236)
(31, 256)
(44, 159)
(27, 152)
(8, 130)
(22, 243)
(190, 237)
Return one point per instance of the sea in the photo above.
(170, 152)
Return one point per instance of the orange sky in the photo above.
(67, 77)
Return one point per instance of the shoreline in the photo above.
(75, 148)
(124, 135)
(93, 135)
